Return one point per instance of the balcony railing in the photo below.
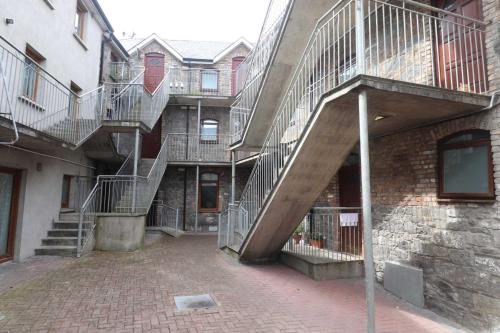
(399, 43)
(123, 72)
(39, 101)
(195, 148)
(251, 71)
(202, 82)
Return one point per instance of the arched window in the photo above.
(209, 130)
(208, 200)
(466, 166)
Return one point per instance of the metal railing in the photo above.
(202, 82)
(163, 217)
(123, 71)
(330, 60)
(251, 71)
(132, 102)
(184, 147)
(329, 233)
(79, 189)
(41, 102)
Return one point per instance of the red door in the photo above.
(350, 237)
(234, 66)
(154, 70)
(460, 48)
(151, 142)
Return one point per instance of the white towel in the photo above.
(348, 219)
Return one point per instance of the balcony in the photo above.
(404, 42)
(123, 72)
(183, 148)
(211, 84)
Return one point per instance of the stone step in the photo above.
(64, 233)
(57, 241)
(56, 250)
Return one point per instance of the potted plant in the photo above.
(317, 240)
(297, 234)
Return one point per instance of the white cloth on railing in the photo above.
(348, 219)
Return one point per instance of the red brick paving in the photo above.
(133, 292)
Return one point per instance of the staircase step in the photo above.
(56, 250)
(58, 241)
(64, 233)
(69, 217)
(69, 225)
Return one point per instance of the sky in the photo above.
(213, 20)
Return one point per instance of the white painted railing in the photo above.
(329, 233)
(184, 147)
(163, 217)
(330, 60)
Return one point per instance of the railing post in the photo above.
(176, 222)
(199, 132)
(367, 210)
(196, 197)
(360, 37)
(79, 240)
(233, 177)
(136, 164)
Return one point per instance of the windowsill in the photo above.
(49, 4)
(31, 103)
(478, 201)
(80, 41)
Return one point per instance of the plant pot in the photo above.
(317, 243)
(297, 238)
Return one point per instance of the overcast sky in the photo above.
(215, 20)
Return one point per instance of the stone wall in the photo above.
(457, 244)
(172, 192)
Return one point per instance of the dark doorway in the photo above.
(151, 142)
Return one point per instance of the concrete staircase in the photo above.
(72, 130)
(62, 239)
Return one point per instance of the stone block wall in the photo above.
(457, 244)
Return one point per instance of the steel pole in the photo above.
(233, 177)
(196, 198)
(136, 166)
(367, 211)
(199, 131)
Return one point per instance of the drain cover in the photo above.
(194, 302)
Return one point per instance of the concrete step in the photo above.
(58, 241)
(64, 233)
(56, 250)
(69, 225)
(73, 217)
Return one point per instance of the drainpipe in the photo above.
(196, 198)
(365, 171)
(136, 164)
(199, 131)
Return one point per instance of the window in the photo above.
(209, 192)
(209, 80)
(465, 166)
(209, 130)
(80, 15)
(32, 73)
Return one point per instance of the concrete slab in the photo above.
(120, 233)
(405, 281)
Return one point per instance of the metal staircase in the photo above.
(314, 130)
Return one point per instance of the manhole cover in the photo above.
(194, 302)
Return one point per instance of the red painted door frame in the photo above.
(13, 212)
(236, 61)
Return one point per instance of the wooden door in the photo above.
(9, 197)
(151, 142)
(154, 70)
(234, 66)
(460, 50)
(350, 238)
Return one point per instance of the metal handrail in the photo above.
(330, 59)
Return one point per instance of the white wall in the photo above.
(40, 197)
(50, 32)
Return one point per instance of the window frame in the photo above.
(442, 147)
(35, 60)
(209, 70)
(216, 141)
(80, 12)
(200, 193)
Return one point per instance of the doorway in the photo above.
(154, 70)
(459, 52)
(9, 200)
(151, 142)
(236, 62)
(350, 237)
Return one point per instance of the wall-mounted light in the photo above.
(9, 21)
